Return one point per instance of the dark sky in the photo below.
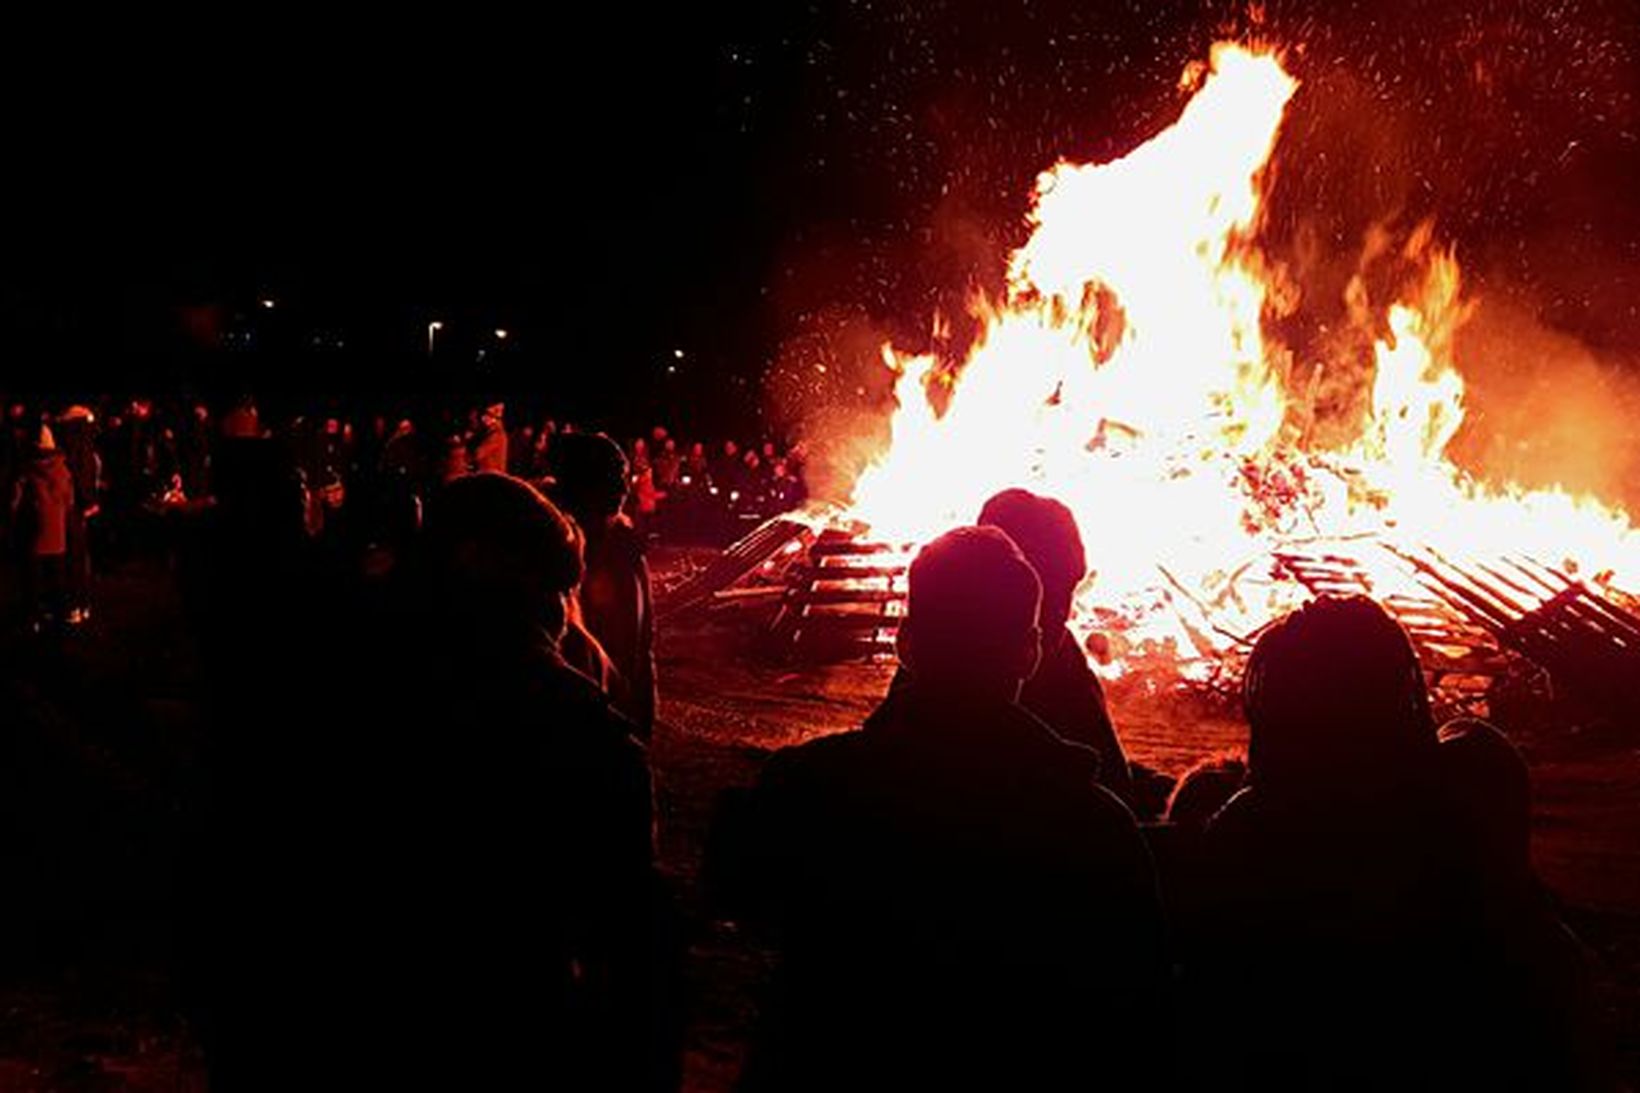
(611, 184)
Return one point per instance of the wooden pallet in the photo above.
(1587, 643)
(764, 547)
(842, 597)
(844, 601)
(1460, 658)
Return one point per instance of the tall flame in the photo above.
(1126, 372)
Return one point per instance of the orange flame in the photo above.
(1126, 372)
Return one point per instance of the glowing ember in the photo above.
(1126, 372)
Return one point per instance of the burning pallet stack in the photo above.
(841, 596)
(844, 600)
(1461, 659)
(1587, 642)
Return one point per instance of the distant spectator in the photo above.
(727, 469)
(76, 438)
(453, 462)
(490, 445)
(41, 504)
(697, 465)
(668, 465)
(194, 452)
(400, 457)
(591, 485)
(521, 452)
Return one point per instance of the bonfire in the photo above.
(1128, 371)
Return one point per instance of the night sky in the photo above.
(754, 184)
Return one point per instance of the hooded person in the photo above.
(42, 506)
(615, 598)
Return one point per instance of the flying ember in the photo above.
(1127, 371)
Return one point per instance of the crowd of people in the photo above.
(439, 869)
(91, 479)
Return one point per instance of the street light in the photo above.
(432, 335)
(267, 302)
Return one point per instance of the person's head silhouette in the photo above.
(1488, 790)
(1336, 702)
(971, 617)
(590, 473)
(1046, 533)
(499, 551)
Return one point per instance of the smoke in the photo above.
(1543, 409)
(830, 389)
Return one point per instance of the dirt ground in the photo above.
(87, 990)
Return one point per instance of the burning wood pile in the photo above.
(1220, 478)
(830, 594)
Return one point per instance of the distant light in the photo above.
(671, 369)
(500, 334)
(267, 302)
(678, 353)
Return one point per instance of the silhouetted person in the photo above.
(668, 463)
(528, 847)
(615, 600)
(74, 436)
(1204, 789)
(956, 901)
(400, 455)
(1329, 942)
(785, 492)
(696, 465)
(265, 654)
(42, 505)
(142, 458)
(490, 444)
(727, 470)
(194, 452)
(521, 451)
(1063, 691)
(130, 457)
(1529, 994)
(451, 461)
